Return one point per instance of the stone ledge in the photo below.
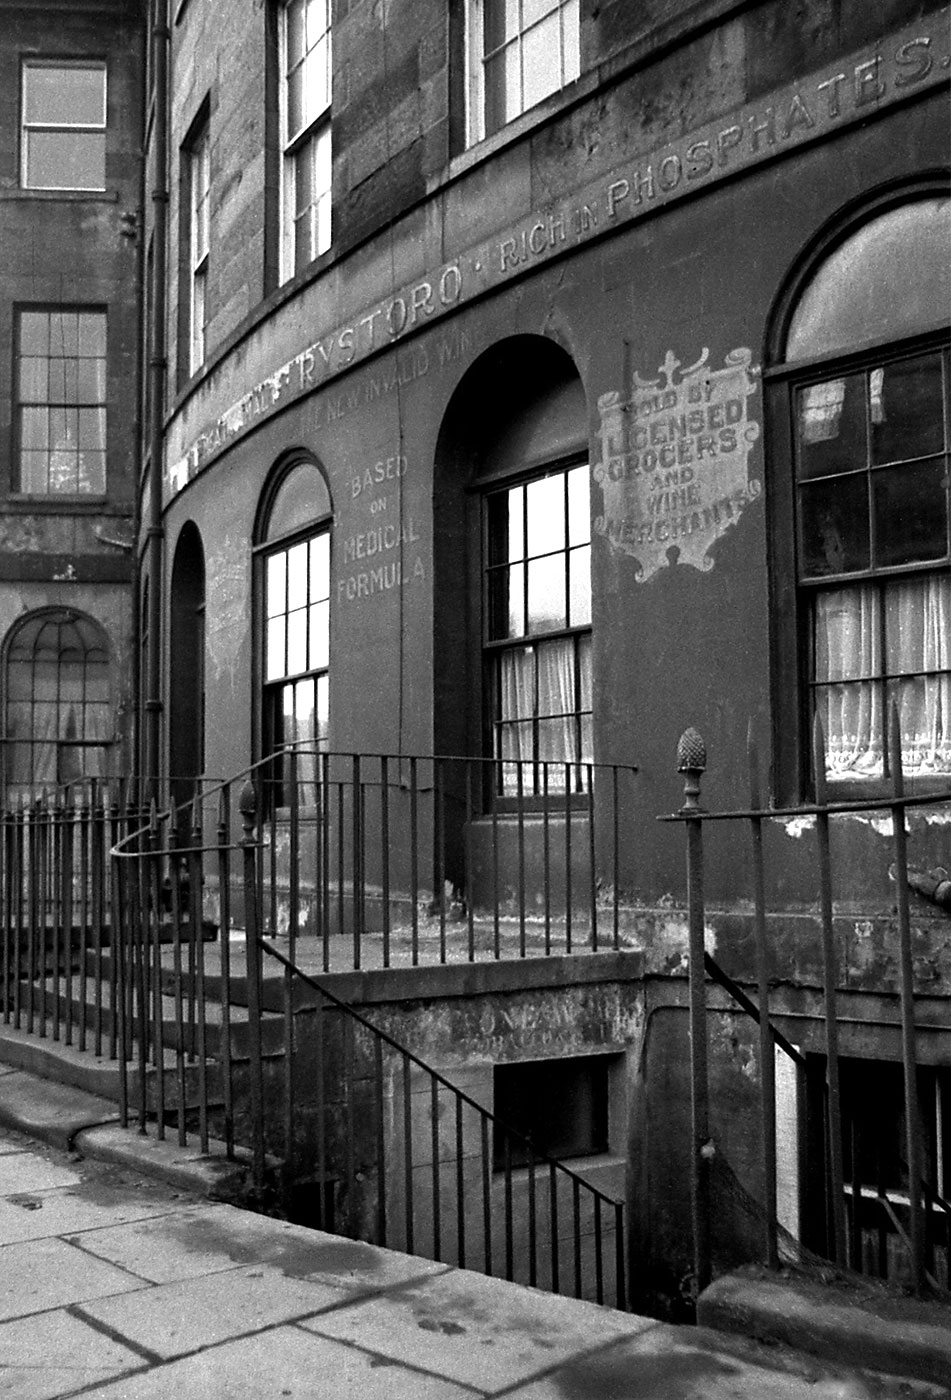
(850, 1320)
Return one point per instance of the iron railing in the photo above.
(915, 1215)
(401, 861)
(346, 1127)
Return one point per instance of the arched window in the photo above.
(530, 656)
(294, 556)
(58, 714)
(860, 408)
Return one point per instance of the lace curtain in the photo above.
(864, 658)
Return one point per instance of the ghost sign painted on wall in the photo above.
(672, 461)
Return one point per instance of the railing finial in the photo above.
(247, 806)
(692, 762)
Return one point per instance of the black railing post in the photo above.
(907, 973)
(692, 762)
(830, 973)
(248, 808)
(766, 1051)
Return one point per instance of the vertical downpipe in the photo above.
(692, 762)
(158, 367)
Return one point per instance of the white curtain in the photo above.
(538, 684)
(849, 667)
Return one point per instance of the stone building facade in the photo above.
(70, 190)
(543, 379)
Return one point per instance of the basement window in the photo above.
(560, 1105)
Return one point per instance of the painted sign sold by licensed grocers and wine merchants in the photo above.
(672, 461)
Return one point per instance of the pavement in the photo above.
(118, 1284)
(123, 1273)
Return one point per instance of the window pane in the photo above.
(889, 280)
(541, 61)
(64, 333)
(503, 91)
(911, 513)
(831, 426)
(323, 708)
(847, 641)
(92, 473)
(296, 28)
(34, 428)
(296, 642)
(545, 507)
(500, 22)
(571, 41)
(505, 603)
(64, 95)
(302, 498)
(92, 428)
(546, 593)
(274, 667)
(276, 588)
(65, 160)
(555, 678)
(504, 519)
(534, 10)
(835, 529)
(907, 409)
(34, 380)
(34, 333)
(319, 635)
(320, 625)
(579, 598)
(297, 576)
(91, 334)
(295, 103)
(33, 472)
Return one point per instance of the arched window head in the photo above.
(889, 280)
(294, 562)
(58, 707)
(301, 499)
(867, 392)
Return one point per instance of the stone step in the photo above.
(53, 1000)
(52, 1059)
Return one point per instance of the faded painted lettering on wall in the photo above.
(672, 461)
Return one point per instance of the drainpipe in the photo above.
(158, 366)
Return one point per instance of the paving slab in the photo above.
(281, 1363)
(66, 1212)
(54, 1353)
(25, 1171)
(449, 1323)
(173, 1319)
(41, 1274)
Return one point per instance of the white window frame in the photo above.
(199, 157)
(66, 127)
(569, 57)
(312, 140)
